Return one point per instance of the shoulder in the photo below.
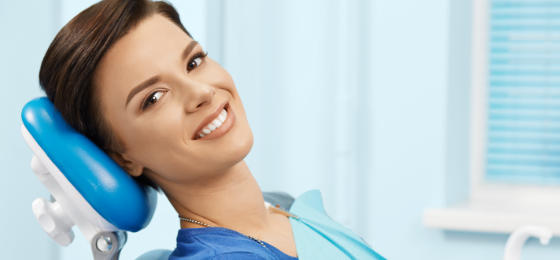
(238, 255)
(213, 255)
(215, 243)
(222, 256)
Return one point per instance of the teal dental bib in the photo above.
(317, 236)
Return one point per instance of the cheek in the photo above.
(152, 137)
(215, 75)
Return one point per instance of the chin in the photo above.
(241, 147)
(234, 155)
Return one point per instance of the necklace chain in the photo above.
(193, 221)
(275, 209)
(206, 225)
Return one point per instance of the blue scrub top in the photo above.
(222, 243)
(316, 236)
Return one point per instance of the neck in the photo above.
(232, 200)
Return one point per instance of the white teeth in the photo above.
(214, 124)
(223, 116)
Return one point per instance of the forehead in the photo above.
(152, 46)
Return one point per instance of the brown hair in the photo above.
(67, 70)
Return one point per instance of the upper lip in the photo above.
(209, 119)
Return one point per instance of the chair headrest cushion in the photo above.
(103, 184)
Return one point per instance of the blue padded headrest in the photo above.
(102, 183)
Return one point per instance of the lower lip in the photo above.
(224, 128)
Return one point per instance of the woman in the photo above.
(129, 76)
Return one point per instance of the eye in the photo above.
(196, 60)
(152, 99)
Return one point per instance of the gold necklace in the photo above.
(206, 225)
(275, 209)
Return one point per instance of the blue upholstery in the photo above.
(102, 183)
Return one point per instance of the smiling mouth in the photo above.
(219, 125)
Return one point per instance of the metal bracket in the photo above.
(108, 245)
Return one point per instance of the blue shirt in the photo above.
(222, 243)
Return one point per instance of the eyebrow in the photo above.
(156, 79)
(140, 87)
(189, 49)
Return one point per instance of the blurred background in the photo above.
(365, 100)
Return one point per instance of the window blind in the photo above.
(523, 110)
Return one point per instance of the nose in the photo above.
(198, 95)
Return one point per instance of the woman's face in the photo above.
(157, 92)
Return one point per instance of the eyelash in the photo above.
(198, 55)
(146, 104)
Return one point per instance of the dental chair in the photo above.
(88, 189)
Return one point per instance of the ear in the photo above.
(133, 168)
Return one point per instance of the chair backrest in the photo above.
(89, 189)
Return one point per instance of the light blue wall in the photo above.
(298, 66)
(364, 98)
(410, 43)
(25, 33)
(420, 136)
